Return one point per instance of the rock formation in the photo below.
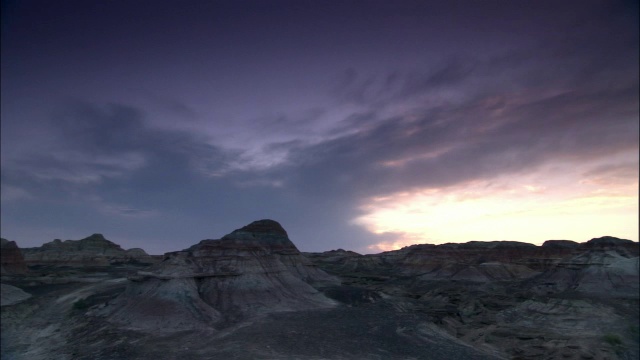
(92, 251)
(12, 261)
(605, 266)
(252, 294)
(561, 300)
(252, 271)
(11, 295)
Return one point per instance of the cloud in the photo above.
(424, 97)
(504, 207)
(78, 168)
(476, 139)
(121, 210)
(397, 86)
(90, 143)
(613, 174)
(10, 193)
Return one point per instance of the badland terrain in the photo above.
(253, 295)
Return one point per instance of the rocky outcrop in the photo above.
(619, 279)
(604, 266)
(561, 300)
(11, 295)
(11, 261)
(252, 294)
(473, 261)
(92, 251)
(560, 244)
(139, 256)
(252, 271)
(482, 261)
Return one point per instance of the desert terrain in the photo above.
(253, 295)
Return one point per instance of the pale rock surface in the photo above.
(11, 295)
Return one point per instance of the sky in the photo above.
(362, 125)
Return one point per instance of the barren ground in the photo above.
(54, 324)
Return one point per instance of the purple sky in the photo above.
(364, 125)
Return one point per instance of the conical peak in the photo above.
(265, 226)
(96, 237)
(266, 234)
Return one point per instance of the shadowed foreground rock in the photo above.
(11, 258)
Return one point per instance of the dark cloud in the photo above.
(298, 111)
(94, 129)
(287, 125)
(91, 144)
(106, 166)
(453, 72)
(572, 95)
(478, 139)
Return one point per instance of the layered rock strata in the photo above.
(493, 261)
(561, 300)
(252, 271)
(92, 251)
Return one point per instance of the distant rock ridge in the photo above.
(252, 271)
(94, 250)
(487, 245)
(559, 300)
(605, 265)
(568, 244)
(609, 242)
(11, 260)
(95, 242)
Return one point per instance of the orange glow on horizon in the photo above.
(522, 208)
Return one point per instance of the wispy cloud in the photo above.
(11, 193)
(122, 210)
(317, 115)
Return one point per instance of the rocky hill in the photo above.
(563, 300)
(92, 251)
(251, 271)
(252, 295)
(11, 259)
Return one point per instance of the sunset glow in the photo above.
(570, 207)
(362, 125)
